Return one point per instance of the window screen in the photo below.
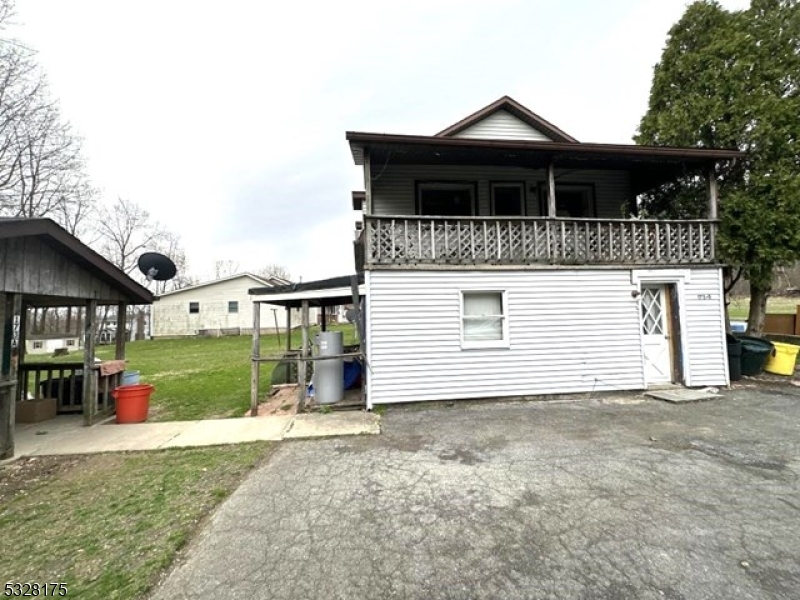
(233, 306)
(483, 317)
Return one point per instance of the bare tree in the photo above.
(274, 270)
(77, 211)
(126, 231)
(41, 168)
(225, 268)
(169, 244)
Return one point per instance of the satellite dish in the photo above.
(157, 266)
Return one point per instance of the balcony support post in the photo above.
(367, 184)
(551, 190)
(713, 203)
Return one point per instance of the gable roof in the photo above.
(509, 105)
(58, 238)
(264, 281)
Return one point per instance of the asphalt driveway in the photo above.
(625, 498)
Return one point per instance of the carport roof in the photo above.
(334, 291)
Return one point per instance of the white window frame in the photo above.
(475, 345)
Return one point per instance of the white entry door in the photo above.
(655, 336)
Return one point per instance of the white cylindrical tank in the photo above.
(329, 374)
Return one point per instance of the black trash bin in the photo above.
(755, 352)
(734, 357)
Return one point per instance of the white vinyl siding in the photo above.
(704, 329)
(393, 186)
(569, 331)
(502, 125)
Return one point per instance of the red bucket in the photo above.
(133, 402)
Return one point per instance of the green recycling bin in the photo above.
(755, 352)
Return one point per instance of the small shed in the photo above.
(42, 265)
(322, 293)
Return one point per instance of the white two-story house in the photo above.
(500, 258)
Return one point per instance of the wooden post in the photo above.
(367, 184)
(301, 367)
(277, 329)
(288, 329)
(8, 377)
(357, 308)
(254, 364)
(89, 382)
(551, 190)
(713, 193)
(360, 328)
(23, 330)
(122, 322)
(713, 202)
(323, 318)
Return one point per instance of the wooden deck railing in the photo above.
(402, 240)
(64, 381)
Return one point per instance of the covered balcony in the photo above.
(405, 241)
(444, 202)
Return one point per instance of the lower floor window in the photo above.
(483, 319)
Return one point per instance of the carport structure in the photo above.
(43, 266)
(322, 293)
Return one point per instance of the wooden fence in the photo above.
(786, 324)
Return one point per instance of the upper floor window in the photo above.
(508, 199)
(194, 308)
(233, 306)
(446, 198)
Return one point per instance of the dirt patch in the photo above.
(24, 474)
(281, 402)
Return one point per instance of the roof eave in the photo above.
(359, 140)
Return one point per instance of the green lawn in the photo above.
(198, 378)
(107, 525)
(778, 305)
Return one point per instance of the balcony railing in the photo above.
(402, 240)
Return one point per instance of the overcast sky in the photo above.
(226, 120)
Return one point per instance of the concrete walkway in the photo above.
(67, 435)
